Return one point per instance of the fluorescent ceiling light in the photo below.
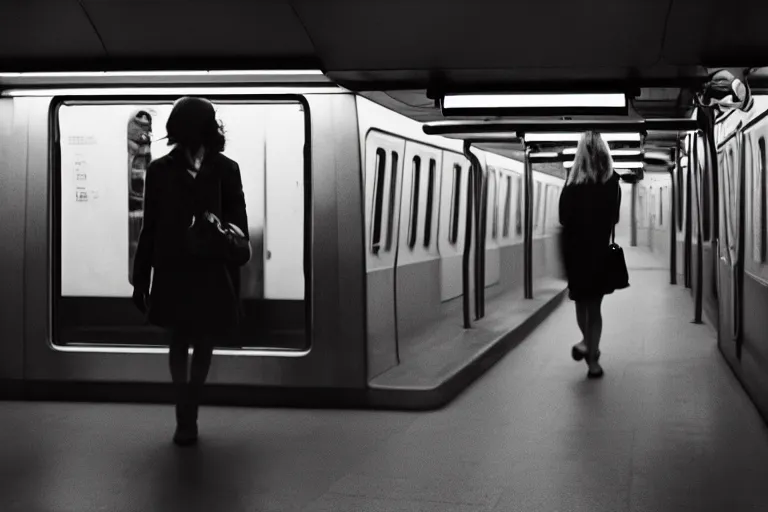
(622, 165)
(533, 101)
(684, 162)
(657, 155)
(575, 137)
(93, 74)
(545, 154)
(171, 91)
(614, 152)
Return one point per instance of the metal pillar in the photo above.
(688, 256)
(696, 175)
(480, 208)
(633, 216)
(465, 277)
(673, 218)
(528, 231)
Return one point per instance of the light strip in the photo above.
(545, 154)
(575, 137)
(533, 100)
(614, 152)
(622, 165)
(171, 91)
(107, 74)
(245, 352)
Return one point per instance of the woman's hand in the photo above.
(140, 300)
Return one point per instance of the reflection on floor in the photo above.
(668, 429)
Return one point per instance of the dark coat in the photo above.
(588, 213)
(189, 294)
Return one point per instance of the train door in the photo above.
(384, 156)
(417, 274)
(492, 252)
(453, 211)
(729, 257)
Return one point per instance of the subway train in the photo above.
(357, 221)
(708, 218)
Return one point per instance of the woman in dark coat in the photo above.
(196, 300)
(589, 209)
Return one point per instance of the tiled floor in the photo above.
(668, 429)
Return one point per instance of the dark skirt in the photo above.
(585, 270)
(196, 300)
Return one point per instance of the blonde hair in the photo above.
(593, 162)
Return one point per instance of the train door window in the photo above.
(453, 229)
(536, 204)
(430, 202)
(413, 227)
(378, 201)
(519, 208)
(507, 205)
(392, 200)
(102, 156)
(759, 204)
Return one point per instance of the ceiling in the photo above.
(401, 53)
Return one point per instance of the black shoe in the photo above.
(595, 372)
(578, 354)
(186, 434)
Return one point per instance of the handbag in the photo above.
(616, 273)
(209, 239)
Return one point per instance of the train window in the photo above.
(759, 208)
(453, 230)
(430, 202)
(103, 152)
(392, 200)
(536, 204)
(378, 198)
(519, 208)
(415, 183)
(507, 206)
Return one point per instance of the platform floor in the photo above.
(668, 429)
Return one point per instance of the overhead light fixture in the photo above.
(174, 91)
(107, 74)
(534, 104)
(614, 152)
(545, 154)
(623, 165)
(575, 137)
(684, 162)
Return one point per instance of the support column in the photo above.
(528, 231)
(696, 176)
(633, 216)
(673, 218)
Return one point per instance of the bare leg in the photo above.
(581, 319)
(201, 364)
(177, 360)
(594, 329)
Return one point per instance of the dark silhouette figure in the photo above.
(196, 300)
(589, 208)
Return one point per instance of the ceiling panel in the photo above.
(44, 29)
(439, 34)
(199, 28)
